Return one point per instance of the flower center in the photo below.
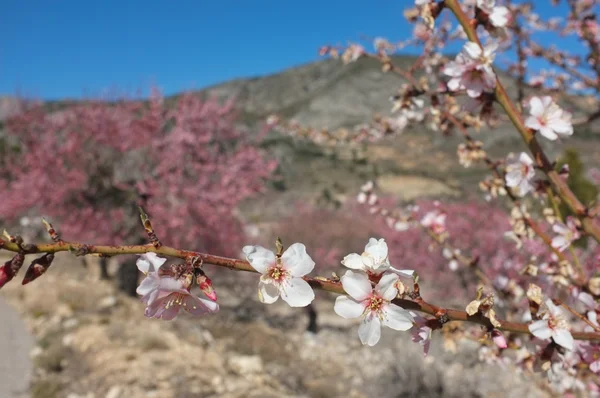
(375, 303)
(175, 299)
(277, 273)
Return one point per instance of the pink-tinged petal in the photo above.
(472, 50)
(533, 123)
(297, 261)
(268, 293)
(548, 133)
(563, 338)
(403, 272)
(513, 177)
(354, 261)
(168, 313)
(455, 84)
(259, 258)
(524, 158)
(149, 262)
(198, 306)
(536, 107)
(540, 329)
(560, 228)
(595, 366)
(357, 285)
(297, 292)
(500, 16)
(587, 299)
(499, 339)
(369, 330)
(149, 284)
(385, 288)
(348, 308)
(397, 318)
(560, 243)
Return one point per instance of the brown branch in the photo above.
(333, 286)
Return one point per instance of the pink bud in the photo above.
(499, 339)
(38, 267)
(205, 285)
(10, 269)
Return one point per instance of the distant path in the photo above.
(15, 345)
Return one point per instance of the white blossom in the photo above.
(472, 70)
(553, 325)
(548, 118)
(435, 220)
(519, 173)
(373, 305)
(566, 234)
(499, 15)
(282, 276)
(373, 260)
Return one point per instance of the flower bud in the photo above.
(38, 267)
(10, 269)
(206, 286)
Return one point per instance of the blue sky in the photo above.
(59, 49)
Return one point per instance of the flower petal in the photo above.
(198, 306)
(353, 261)
(377, 249)
(268, 293)
(149, 262)
(472, 50)
(297, 293)
(397, 318)
(259, 258)
(563, 337)
(385, 288)
(540, 329)
(357, 285)
(536, 107)
(348, 308)
(297, 261)
(149, 284)
(369, 330)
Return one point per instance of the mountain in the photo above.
(329, 94)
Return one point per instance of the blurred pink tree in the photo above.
(89, 166)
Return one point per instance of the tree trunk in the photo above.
(104, 268)
(311, 311)
(128, 277)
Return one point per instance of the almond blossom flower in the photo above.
(282, 275)
(435, 220)
(519, 173)
(498, 15)
(165, 295)
(374, 260)
(566, 234)
(553, 325)
(548, 118)
(472, 70)
(374, 305)
(421, 333)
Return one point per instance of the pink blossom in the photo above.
(421, 333)
(499, 339)
(282, 276)
(435, 220)
(553, 325)
(519, 173)
(164, 295)
(548, 118)
(472, 70)
(566, 234)
(373, 305)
